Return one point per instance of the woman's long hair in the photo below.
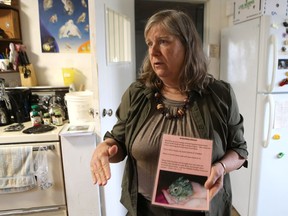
(194, 74)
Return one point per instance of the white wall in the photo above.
(48, 66)
(215, 20)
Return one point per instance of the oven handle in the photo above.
(29, 211)
(48, 147)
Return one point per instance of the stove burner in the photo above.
(38, 129)
(14, 127)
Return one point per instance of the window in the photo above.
(118, 37)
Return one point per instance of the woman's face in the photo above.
(166, 54)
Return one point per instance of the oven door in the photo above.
(37, 201)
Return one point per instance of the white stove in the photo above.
(50, 201)
(20, 137)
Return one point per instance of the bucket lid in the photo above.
(78, 94)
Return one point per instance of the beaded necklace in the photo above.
(166, 111)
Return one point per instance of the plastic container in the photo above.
(68, 76)
(79, 105)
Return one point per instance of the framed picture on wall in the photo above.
(64, 26)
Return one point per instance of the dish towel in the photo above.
(16, 169)
(42, 169)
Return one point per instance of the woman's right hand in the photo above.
(100, 165)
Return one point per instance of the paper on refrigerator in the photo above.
(183, 167)
(281, 114)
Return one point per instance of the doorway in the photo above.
(146, 8)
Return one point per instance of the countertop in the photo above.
(20, 137)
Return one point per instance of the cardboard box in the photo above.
(9, 22)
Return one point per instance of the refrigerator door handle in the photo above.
(274, 42)
(270, 124)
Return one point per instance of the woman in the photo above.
(174, 94)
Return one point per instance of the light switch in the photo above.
(214, 51)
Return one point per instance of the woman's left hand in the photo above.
(215, 181)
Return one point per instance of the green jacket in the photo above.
(217, 118)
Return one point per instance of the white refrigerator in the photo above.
(254, 60)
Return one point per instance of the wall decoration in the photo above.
(64, 26)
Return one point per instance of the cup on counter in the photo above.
(4, 64)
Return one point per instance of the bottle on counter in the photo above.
(35, 107)
(53, 120)
(36, 119)
(46, 119)
(58, 120)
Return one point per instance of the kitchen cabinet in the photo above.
(83, 198)
(10, 29)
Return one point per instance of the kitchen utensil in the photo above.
(55, 107)
(14, 127)
(38, 129)
(4, 118)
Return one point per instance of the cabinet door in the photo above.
(10, 29)
(9, 24)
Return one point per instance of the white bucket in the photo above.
(79, 104)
